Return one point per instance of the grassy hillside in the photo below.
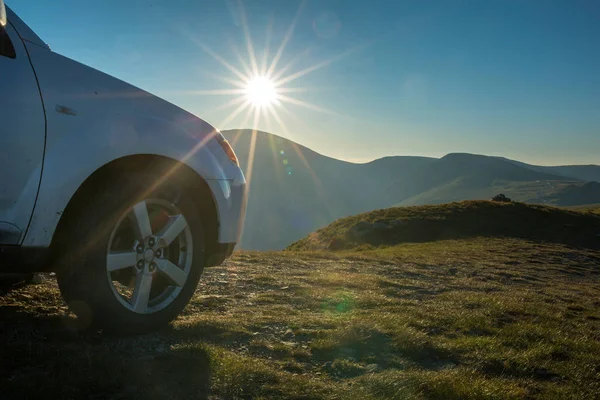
(460, 176)
(535, 192)
(448, 320)
(579, 194)
(594, 208)
(295, 191)
(460, 220)
(581, 172)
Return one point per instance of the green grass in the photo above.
(460, 220)
(540, 191)
(593, 208)
(475, 318)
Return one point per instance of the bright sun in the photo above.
(261, 91)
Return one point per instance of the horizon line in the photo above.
(363, 161)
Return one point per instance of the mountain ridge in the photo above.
(294, 190)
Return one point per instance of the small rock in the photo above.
(37, 279)
(162, 349)
(284, 288)
(289, 334)
(372, 367)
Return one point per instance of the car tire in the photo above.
(109, 264)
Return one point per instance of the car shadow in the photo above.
(45, 356)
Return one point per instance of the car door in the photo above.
(22, 136)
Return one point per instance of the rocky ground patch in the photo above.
(470, 319)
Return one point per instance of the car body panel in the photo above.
(21, 141)
(93, 119)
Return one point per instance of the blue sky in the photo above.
(513, 78)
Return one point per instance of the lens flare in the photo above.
(259, 86)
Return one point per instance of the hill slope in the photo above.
(589, 173)
(468, 176)
(467, 219)
(295, 190)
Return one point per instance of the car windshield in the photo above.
(412, 190)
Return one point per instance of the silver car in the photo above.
(124, 195)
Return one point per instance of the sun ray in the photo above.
(317, 182)
(318, 66)
(212, 92)
(297, 89)
(302, 55)
(236, 137)
(248, 115)
(210, 136)
(283, 127)
(273, 145)
(241, 107)
(220, 59)
(246, 118)
(297, 121)
(159, 181)
(243, 63)
(237, 83)
(268, 119)
(250, 47)
(286, 38)
(230, 103)
(259, 85)
(275, 153)
(251, 152)
(265, 57)
(304, 104)
(249, 167)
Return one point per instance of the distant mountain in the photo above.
(461, 176)
(580, 172)
(294, 190)
(575, 195)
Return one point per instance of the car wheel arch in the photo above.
(197, 185)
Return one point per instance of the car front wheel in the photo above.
(134, 256)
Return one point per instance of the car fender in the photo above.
(94, 119)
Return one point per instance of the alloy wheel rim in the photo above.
(149, 256)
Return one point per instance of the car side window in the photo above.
(6, 47)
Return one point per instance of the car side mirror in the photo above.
(6, 47)
(2, 14)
